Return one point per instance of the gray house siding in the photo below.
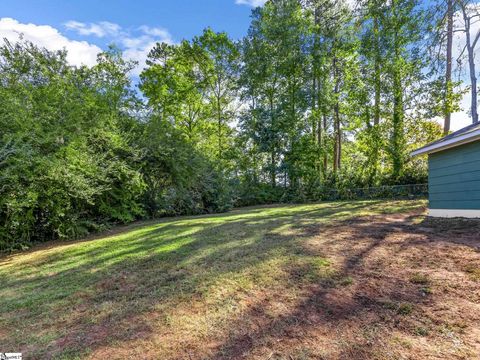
(454, 177)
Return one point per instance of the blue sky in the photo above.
(85, 27)
(182, 18)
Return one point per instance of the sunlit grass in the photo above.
(189, 275)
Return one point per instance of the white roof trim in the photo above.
(450, 143)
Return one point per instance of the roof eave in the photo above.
(448, 144)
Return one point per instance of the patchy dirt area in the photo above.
(405, 287)
(412, 292)
(325, 282)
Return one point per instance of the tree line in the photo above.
(318, 95)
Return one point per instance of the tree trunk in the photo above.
(324, 144)
(273, 175)
(337, 150)
(219, 119)
(397, 137)
(254, 145)
(471, 62)
(338, 140)
(314, 78)
(448, 72)
(377, 80)
(317, 118)
(314, 106)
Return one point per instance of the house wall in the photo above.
(454, 181)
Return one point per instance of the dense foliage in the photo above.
(317, 97)
(76, 155)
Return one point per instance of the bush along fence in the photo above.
(410, 191)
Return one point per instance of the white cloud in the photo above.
(252, 3)
(462, 118)
(155, 31)
(138, 54)
(135, 43)
(79, 52)
(100, 29)
(136, 47)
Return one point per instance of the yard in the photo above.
(346, 280)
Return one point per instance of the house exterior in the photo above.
(454, 174)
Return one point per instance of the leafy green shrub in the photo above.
(67, 165)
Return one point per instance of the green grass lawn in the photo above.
(189, 287)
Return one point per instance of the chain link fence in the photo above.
(394, 192)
